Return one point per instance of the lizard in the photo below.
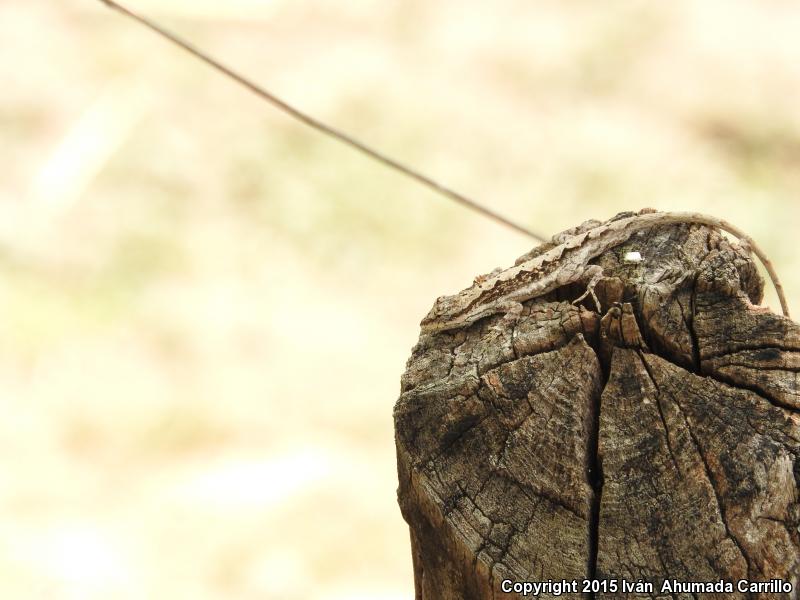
(500, 291)
(503, 291)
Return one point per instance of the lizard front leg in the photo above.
(591, 274)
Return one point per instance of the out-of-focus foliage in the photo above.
(206, 307)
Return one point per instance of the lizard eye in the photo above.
(632, 257)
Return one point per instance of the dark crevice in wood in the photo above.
(737, 348)
(594, 467)
(710, 478)
(761, 367)
(721, 378)
(661, 413)
(594, 475)
(696, 362)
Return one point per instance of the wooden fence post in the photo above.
(656, 442)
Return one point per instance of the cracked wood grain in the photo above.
(656, 438)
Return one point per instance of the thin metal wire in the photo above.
(322, 127)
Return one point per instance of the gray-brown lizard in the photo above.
(566, 263)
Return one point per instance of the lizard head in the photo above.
(449, 312)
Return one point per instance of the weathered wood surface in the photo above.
(658, 440)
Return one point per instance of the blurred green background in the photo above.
(207, 307)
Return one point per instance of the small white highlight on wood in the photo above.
(632, 257)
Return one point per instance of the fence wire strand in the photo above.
(326, 129)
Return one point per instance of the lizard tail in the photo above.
(773, 275)
(732, 229)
